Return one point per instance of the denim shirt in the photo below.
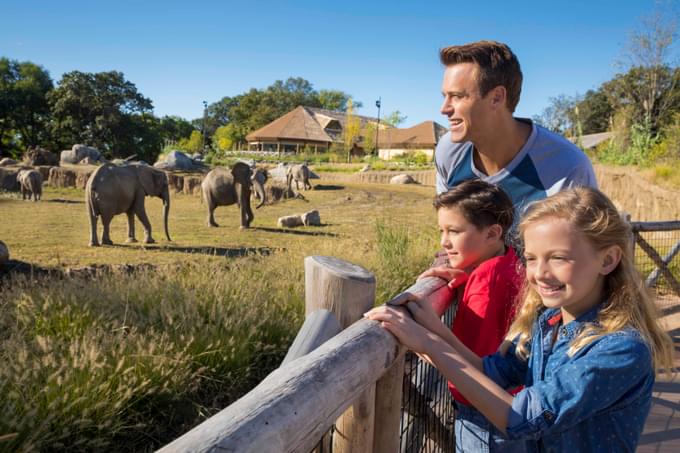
(597, 400)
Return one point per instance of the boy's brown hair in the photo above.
(498, 66)
(482, 204)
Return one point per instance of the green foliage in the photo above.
(192, 144)
(394, 119)
(24, 112)
(97, 109)
(350, 133)
(413, 158)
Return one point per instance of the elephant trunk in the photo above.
(259, 188)
(166, 211)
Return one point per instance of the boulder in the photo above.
(80, 152)
(4, 253)
(177, 160)
(311, 218)
(87, 161)
(6, 161)
(8, 179)
(402, 179)
(290, 221)
(40, 156)
(365, 168)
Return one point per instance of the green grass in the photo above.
(127, 362)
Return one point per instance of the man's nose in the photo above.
(446, 107)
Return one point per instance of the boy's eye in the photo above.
(559, 258)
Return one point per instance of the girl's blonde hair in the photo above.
(625, 302)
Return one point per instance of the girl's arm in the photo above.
(487, 396)
(425, 315)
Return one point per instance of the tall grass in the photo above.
(127, 362)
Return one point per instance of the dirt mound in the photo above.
(67, 176)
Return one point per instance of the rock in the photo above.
(177, 160)
(365, 168)
(311, 218)
(80, 152)
(402, 179)
(290, 221)
(69, 176)
(6, 161)
(4, 253)
(8, 179)
(87, 161)
(40, 156)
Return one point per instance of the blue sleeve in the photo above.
(508, 371)
(613, 370)
(582, 176)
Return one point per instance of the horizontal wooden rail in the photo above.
(295, 405)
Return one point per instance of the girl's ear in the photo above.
(611, 257)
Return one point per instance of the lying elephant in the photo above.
(113, 190)
(223, 187)
(30, 183)
(298, 173)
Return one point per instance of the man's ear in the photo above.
(498, 96)
(611, 257)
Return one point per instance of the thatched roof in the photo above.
(425, 134)
(298, 124)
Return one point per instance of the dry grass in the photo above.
(126, 362)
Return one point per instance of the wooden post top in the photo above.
(341, 268)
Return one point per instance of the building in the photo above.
(318, 129)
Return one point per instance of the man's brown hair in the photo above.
(497, 66)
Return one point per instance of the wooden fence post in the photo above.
(348, 291)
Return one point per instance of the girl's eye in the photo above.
(529, 259)
(559, 258)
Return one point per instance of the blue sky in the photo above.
(179, 54)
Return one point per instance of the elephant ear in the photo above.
(241, 172)
(151, 180)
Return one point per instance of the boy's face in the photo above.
(466, 246)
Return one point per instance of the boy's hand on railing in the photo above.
(454, 277)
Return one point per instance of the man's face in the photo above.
(463, 104)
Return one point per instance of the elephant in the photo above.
(30, 182)
(298, 173)
(223, 187)
(113, 190)
(260, 176)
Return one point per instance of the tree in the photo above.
(395, 118)
(559, 116)
(650, 75)
(351, 130)
(24, 111)
(174, 128)
(95, 108)
(595, 112)
(224, 137)
(335, 100)
(191, 144)
(368, 134)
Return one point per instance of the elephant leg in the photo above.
(141, 215)
(93, 230)
(131, 226)
(211, 214)
(106, 223)
(249, 215)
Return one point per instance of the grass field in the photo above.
(128, 361)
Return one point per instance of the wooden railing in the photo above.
(352, 381)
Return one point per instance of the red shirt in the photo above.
(488, 306)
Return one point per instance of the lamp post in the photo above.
(205, 118)
(377, 128)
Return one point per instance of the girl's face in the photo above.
(466, 246)
(564, 268)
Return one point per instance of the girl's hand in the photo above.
(421, 311)
(454, 277)
(399, 323)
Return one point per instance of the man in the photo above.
(481, 87)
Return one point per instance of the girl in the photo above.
(584, 344)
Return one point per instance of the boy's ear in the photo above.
(611, 257)
(495, 232)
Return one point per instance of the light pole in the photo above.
(203, 135)
(377, 128)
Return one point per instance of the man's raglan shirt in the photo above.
(546, 164)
